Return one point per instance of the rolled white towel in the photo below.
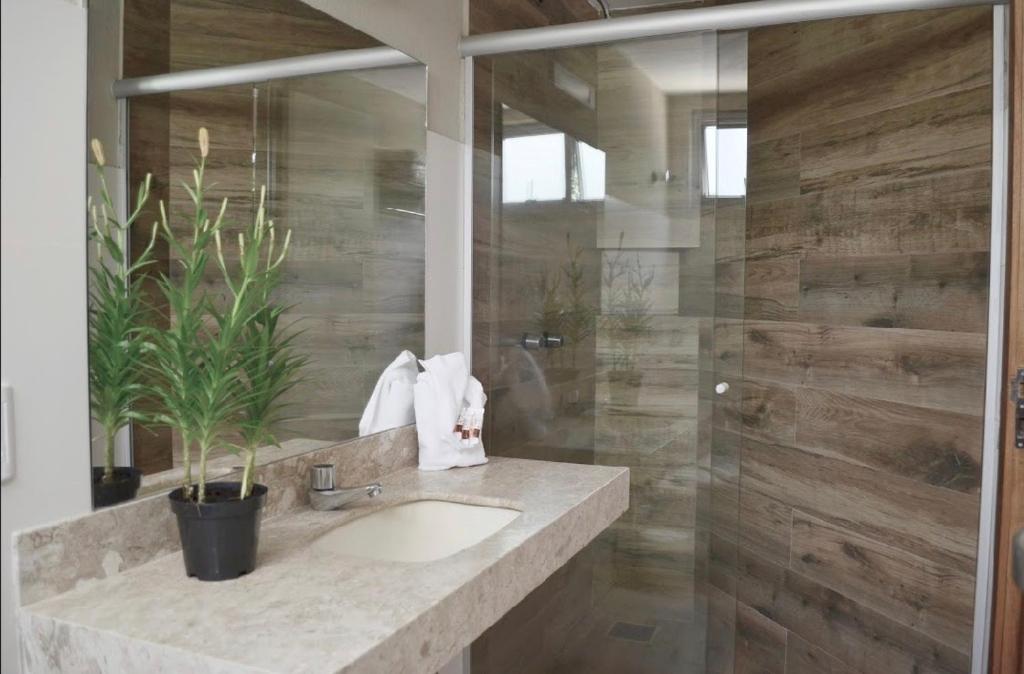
(449, 405)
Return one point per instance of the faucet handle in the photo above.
(321, 477)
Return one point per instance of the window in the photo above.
(590, 173)
(533, 168)
(725, 161)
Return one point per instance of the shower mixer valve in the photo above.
(545, 341)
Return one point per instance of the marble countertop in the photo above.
(303, 610)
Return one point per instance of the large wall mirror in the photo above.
(340, 156)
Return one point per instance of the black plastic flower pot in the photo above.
(123, 487)
(220, 537)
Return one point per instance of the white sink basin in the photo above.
(419, 531)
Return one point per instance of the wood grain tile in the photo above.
(862, 638)
(805, 658)
(937, 524)
(914, 141)
(721, 632)
(943, 291)
(760, 643)
(929, 597)
(769, 291)
(941, 370)
(764, 524)
(939, 448)
(768, 412)
(912, 59)
(939, 214)
(773, 168)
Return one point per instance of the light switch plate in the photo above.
(6, 432)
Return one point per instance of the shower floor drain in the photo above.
(633, 632)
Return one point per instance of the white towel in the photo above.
(391, 404)
(445, 395)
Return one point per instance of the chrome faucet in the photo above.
(323, 495)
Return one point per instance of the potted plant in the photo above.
(628, 320)
(117, 314)
(212, 382)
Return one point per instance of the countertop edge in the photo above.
(73, 647)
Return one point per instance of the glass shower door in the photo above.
(607, 308)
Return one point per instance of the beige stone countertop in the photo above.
(304, 610)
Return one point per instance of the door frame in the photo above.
(1007, 653)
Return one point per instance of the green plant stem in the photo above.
(247, 473)
(108, 468)
(204, 452)
(186, 465)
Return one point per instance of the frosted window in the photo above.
(533, 168)
(725, 161)
(591, 172)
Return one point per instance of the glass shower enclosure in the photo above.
(608, 288)
(795, 367)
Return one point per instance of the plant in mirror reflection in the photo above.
(571, 316)
(579, 310)
(627, 287)
(551, 314)
(117, 314)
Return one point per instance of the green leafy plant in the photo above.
(269, 364)
(196, 395)
(117, 313)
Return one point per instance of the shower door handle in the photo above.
(553, 341)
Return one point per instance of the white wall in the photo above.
(42, 271)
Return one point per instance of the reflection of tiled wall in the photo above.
(147, 50)
(356, 269)
(864, 344)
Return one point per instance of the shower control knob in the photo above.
(532, 342)
(722, 387)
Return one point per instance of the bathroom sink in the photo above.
(419, 531)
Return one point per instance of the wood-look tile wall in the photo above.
(863, 344)
(147, 50)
